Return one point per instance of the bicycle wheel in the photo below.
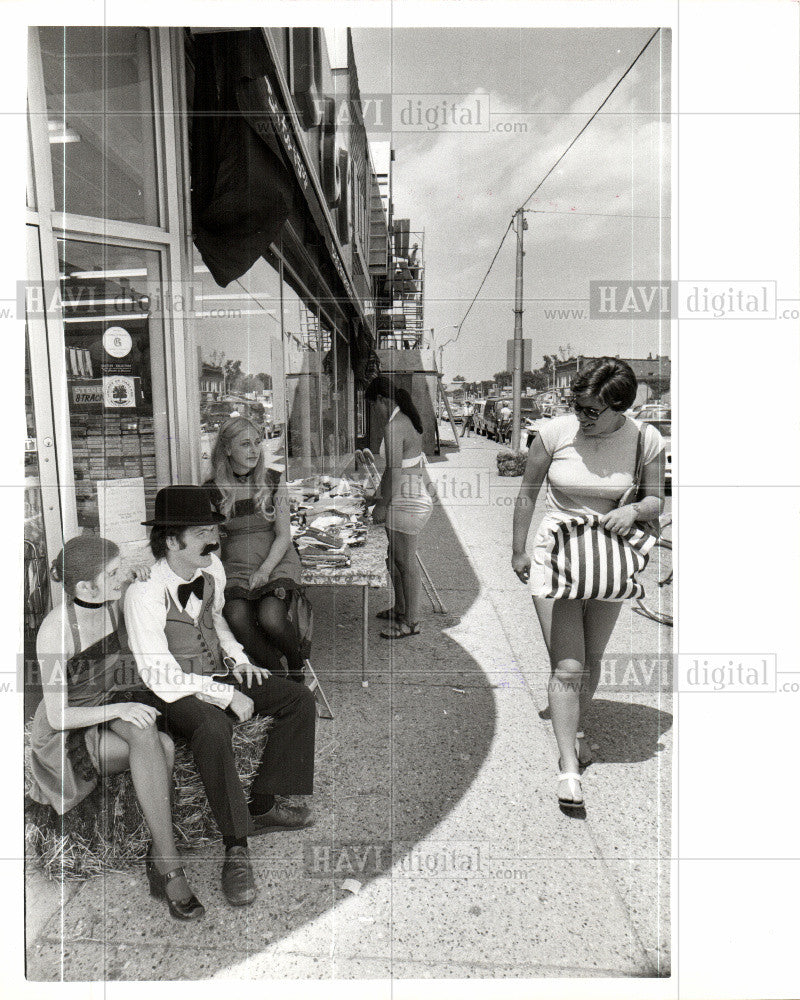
(657, 601)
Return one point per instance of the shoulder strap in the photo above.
(638, 469)
(632, 493)
(72, 618)
(114, 615)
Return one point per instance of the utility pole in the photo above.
(516, 385)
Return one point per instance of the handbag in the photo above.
(584, 560)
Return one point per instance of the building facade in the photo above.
(203, 239)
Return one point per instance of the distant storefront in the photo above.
(202, 241)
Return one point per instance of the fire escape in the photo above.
(400, 305)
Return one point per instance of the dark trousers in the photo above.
(287, 764)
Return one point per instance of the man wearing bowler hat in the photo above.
(203, 683)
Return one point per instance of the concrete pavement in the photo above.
(436, 797)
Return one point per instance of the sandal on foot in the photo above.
(389, 614)
(574, 788)
(401, 630)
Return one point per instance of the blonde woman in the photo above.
(262, 565)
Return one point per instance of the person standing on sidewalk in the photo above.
(203, 683)
(403, 504)
(504, 422)
(469, 414)
(588, 461)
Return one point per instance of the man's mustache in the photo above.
(211, 547)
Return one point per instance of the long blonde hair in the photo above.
(225, 478)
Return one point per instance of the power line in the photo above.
(569, 147)
(605, 215)
(483, 282)
(589, 122)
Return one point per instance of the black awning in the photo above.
(242, 188)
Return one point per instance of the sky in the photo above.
(462, 187)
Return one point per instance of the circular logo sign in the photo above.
(118, 391)
(117, 341)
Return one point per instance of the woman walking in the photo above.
(403, 501)
(94, 720)
(262, 565)
(593, 462)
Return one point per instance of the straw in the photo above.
(107, 833)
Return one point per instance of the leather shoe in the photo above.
(238, 883)
(283, 817)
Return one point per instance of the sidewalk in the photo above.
(436, 791)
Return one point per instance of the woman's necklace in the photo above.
(87, 604)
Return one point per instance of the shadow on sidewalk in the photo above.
(627, 732)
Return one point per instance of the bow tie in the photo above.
(185, 590)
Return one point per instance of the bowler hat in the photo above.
(184, 506)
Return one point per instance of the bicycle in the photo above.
(642, 608)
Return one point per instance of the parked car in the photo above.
(489, 420)
(661, 418)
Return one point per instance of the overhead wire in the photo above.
(541, 182)
(589, 122)
(483, 282)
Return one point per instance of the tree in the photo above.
(233, 373)
(266, 380)
(249, 383)
(534, 380)
(503, 378)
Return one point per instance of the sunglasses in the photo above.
(588, 411)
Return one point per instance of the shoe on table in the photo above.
(282, 817)
(238, 883)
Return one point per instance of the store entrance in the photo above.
(43, 522)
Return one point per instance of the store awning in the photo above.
(242, 188)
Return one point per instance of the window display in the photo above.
(114, 357)
(240, 355)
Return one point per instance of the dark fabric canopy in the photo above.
(242, 188)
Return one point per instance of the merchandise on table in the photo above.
(328, 517)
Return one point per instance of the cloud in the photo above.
(462, 189)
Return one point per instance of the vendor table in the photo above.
(367, 570)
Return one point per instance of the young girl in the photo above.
(262, 566)
(90, 722)
(404, 503)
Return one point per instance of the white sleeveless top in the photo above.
(408, 463)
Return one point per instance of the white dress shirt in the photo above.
(145, 620)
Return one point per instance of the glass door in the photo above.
(42, 528)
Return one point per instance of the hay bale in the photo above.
(107, 833)
(511, 463)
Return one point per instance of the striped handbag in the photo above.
(582, 559)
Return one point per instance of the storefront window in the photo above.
(99, 92)
(240, 355)
(303, 358)
(30, 187)
(37, 589)
(114, 340)
(344, 402)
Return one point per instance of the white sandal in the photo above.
(574, 779)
